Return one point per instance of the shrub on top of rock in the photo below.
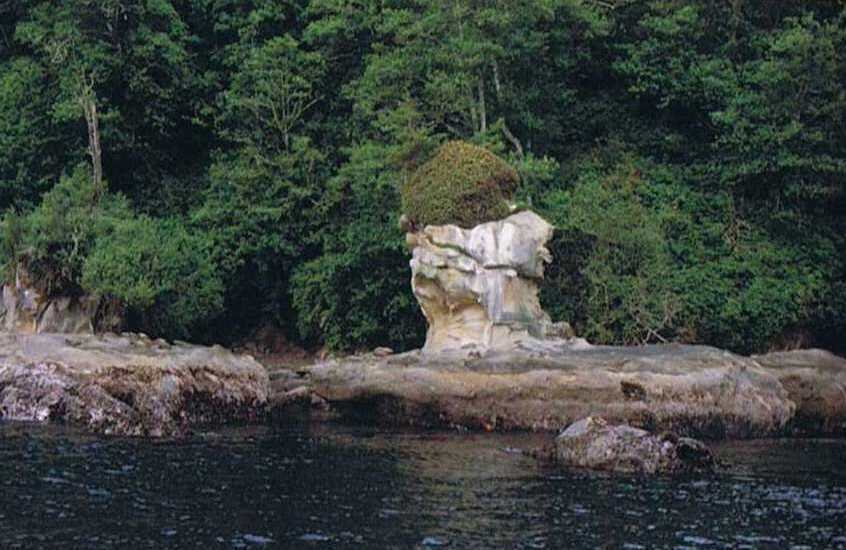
(463, 184)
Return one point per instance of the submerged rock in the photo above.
(595, 444)
(126, 385)
(816, 381)
(694, 391)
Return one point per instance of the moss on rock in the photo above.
(462, 184)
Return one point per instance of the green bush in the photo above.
(53, 240)
(259, 220)
(361, 298)
(643, 255)
(82, 239)
(357, 294)
(163, 274)
(462, 184)
(615, 241)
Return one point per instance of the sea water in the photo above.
(320, 485)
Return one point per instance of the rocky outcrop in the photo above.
(126, 385)
(694, 391)
(478, 287)
(595, 444)
(493, 360)
(25, 309)
(816, 381)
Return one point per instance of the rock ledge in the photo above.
(693, 391)
(126, 385)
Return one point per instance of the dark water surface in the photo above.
(325, 486)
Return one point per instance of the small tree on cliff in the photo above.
(462, 184)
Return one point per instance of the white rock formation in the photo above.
(479, 287)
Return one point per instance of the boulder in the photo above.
(595, 444)
(479, 287)
(816, 381)
(126, 385)
(695, 391)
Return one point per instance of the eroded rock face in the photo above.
(694, 391)
(595, 444)
(26, 310)
(478, 287)
(126, 385)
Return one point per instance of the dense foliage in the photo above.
(463, 184)
(221, 166)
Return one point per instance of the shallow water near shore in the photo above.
(318, 485)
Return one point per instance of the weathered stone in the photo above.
(126, 385)
(694, 391)
(595, 444)
(816, 381)
(478, 287)
(26, 310)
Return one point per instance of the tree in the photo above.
(479, 66)
(356, 293)
(270, 97)
(691, 152)
(124, 68)
(77, 54)
(32, 155)
(628, 296)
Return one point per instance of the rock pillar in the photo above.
(478, 287)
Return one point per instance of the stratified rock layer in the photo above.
(693, 391)
(478, 287)
(126, 385)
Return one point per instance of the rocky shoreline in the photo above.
(132, 385)
(815, 380)
(127, 385)
(694, 391)
(629, 409)
(493, 360)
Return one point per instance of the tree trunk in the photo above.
(737, 18)
(89, 105)
(508, 135)
(513, 139)
(483, 115)
(497, 85)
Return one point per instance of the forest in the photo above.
(216, 167)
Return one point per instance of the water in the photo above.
(326, 486)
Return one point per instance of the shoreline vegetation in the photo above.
(215, 172)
